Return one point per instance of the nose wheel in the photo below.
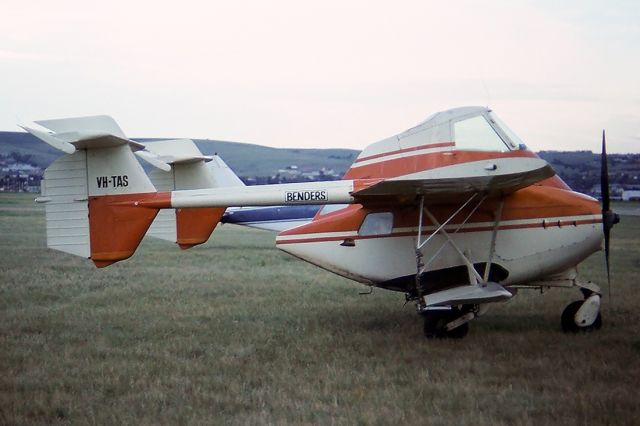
(582, 315)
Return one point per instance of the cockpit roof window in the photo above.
(476, 134)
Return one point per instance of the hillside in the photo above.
(581, 169)
(28, 148)
(245, 159)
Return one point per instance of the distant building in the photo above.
(631, 195)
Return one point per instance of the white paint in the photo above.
(588, 311)
(113, 163)
(164, 225)
(337, 192)
(67, 212)
(528, 254)
(89, 124)
(476, 294)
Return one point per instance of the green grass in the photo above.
(237, 332)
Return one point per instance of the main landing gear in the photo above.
(447, 323)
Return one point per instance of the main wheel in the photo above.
(435, 323)
(458, 332)
(568, 321)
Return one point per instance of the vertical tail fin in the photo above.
(86, 191)
(187, 168)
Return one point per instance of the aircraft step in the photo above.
(468, 294)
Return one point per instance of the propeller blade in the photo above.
(609, 218)
(604, 177)
(607, 238)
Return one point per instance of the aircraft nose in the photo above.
(609, 219)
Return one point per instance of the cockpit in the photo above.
(463, 129)
(484, 132)
(469, 128)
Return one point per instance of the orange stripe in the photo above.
(360, 184)
(401, 151)
(461, 231)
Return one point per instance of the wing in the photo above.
(493, 177)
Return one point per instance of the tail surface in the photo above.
(88, 191)
(187, 168)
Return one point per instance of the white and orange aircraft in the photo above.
(455, 212)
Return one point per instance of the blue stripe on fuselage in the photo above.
(269, 214)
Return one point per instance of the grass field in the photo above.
(237, 332)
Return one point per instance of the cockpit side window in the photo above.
(476, 134)
(376, 224)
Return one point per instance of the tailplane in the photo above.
(180, 165)
(88, 191)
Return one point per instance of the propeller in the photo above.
(609, 218)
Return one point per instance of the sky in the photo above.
(326, 74)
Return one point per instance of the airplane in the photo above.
(456, 212)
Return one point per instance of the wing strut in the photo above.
(465, 259)
(492, 249)
(466, 219)
(421, 267)
(479, 290)
(441, 227)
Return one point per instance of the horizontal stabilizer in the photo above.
(164, 153)
(69, 134)
(94, 123)
(51, 140)
(468, 294)
(154, 160)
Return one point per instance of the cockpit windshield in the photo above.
(514, 140)
(484, 132)
(476, 134)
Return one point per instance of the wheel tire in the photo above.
(568, 319)
(458, 332)
(436, 321)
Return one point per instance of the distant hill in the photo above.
(581, 169)
(28, 146)
(245, 159)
